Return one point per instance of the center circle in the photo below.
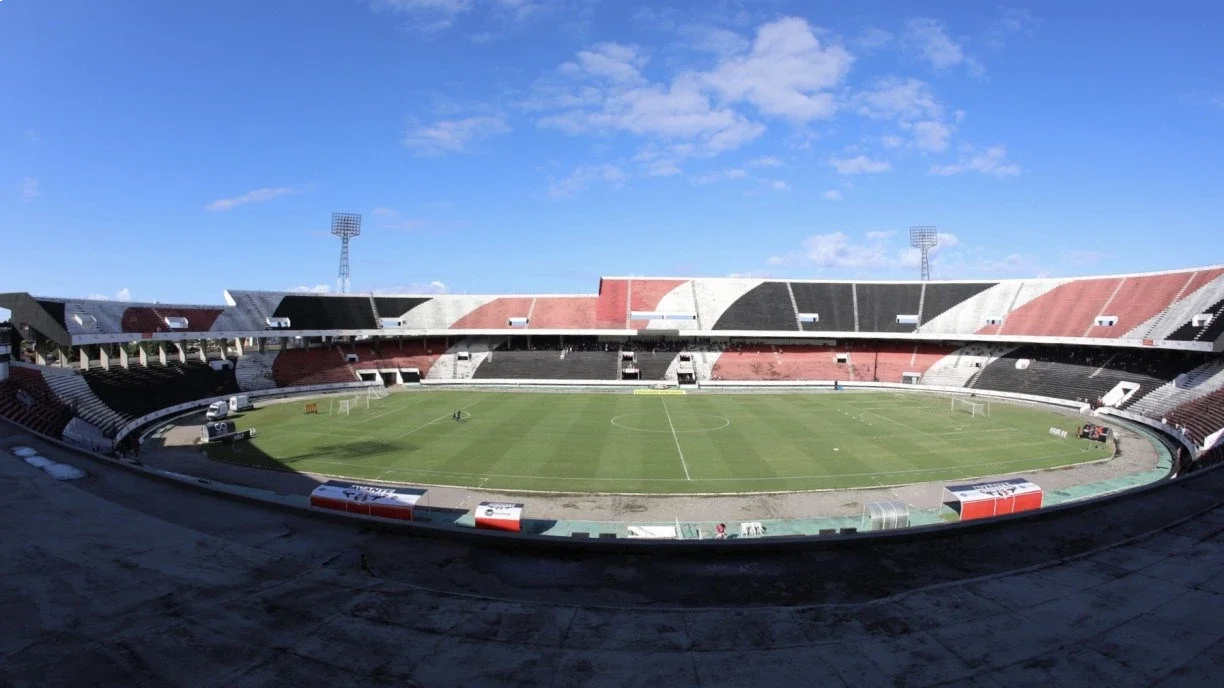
(678, 422)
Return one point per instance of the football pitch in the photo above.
(696, 443)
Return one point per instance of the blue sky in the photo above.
(170, 150)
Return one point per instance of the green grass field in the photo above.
(658, 444)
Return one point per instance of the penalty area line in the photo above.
(676, 438)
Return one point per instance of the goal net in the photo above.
(347, 406)
(973, 408)
(378, 393)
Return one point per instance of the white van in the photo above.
(217, 410)
(240, 403)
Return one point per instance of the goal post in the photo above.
(348, 406)
(973, 408)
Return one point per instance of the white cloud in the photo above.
(891, 141)
(838, 250)
(604, 91)
(766, 161)
(929, 40)
(1011, 21)
(582, 177)
(712, 39)
(873, 38)
(786, 73)
(779, 185)
(453, 136)
(661, 168)
(1015, 263)
(896, 98)
(256, 196)
(431, 16)
(832, 195)
(29, 189)
(878, 250)
(124, 295)
(860, 165)
(992, 161)
(720, 175)
(434, 287)
(931, 136)
(316, 289)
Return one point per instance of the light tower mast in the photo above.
(346, 226)
(924, 238)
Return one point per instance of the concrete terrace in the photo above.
(122, 580)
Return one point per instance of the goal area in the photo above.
(973, 408)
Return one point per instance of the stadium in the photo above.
(898, 423)
(630, 373)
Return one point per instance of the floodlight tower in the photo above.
(924, 238)
(346, 226)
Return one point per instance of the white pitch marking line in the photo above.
(435, 420)
(676, 438)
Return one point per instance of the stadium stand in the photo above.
(714, 296)
(26, 399)
(442, 313)
(765, 362)
(939, 298)
(958, 367)
(451, 365)
(54, 309)
(550, 365)
(421, 354)
(646, 295)
(880, 304)
(72, 389)
(612, 304)
(396, 306)
(253, 370)
(248, 312)
(153, 319)
(1081, 373)
(1197, 383)
(870, 361)
(563, 313)
(1138, 299)
(1213, 330)
(1201, 417)
(309, 312)
(833, 302)
(140, 390)
(891, 360)
(1065, 311)
(765, 307)
(653, 365)
(297, 367)
(495, 315)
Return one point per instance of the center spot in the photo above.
(682, 421)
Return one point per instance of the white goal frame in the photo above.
(973, 408)
(347, 405)
(378, 393)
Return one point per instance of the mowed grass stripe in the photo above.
(548, 441)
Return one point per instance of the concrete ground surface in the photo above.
(121, 580)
